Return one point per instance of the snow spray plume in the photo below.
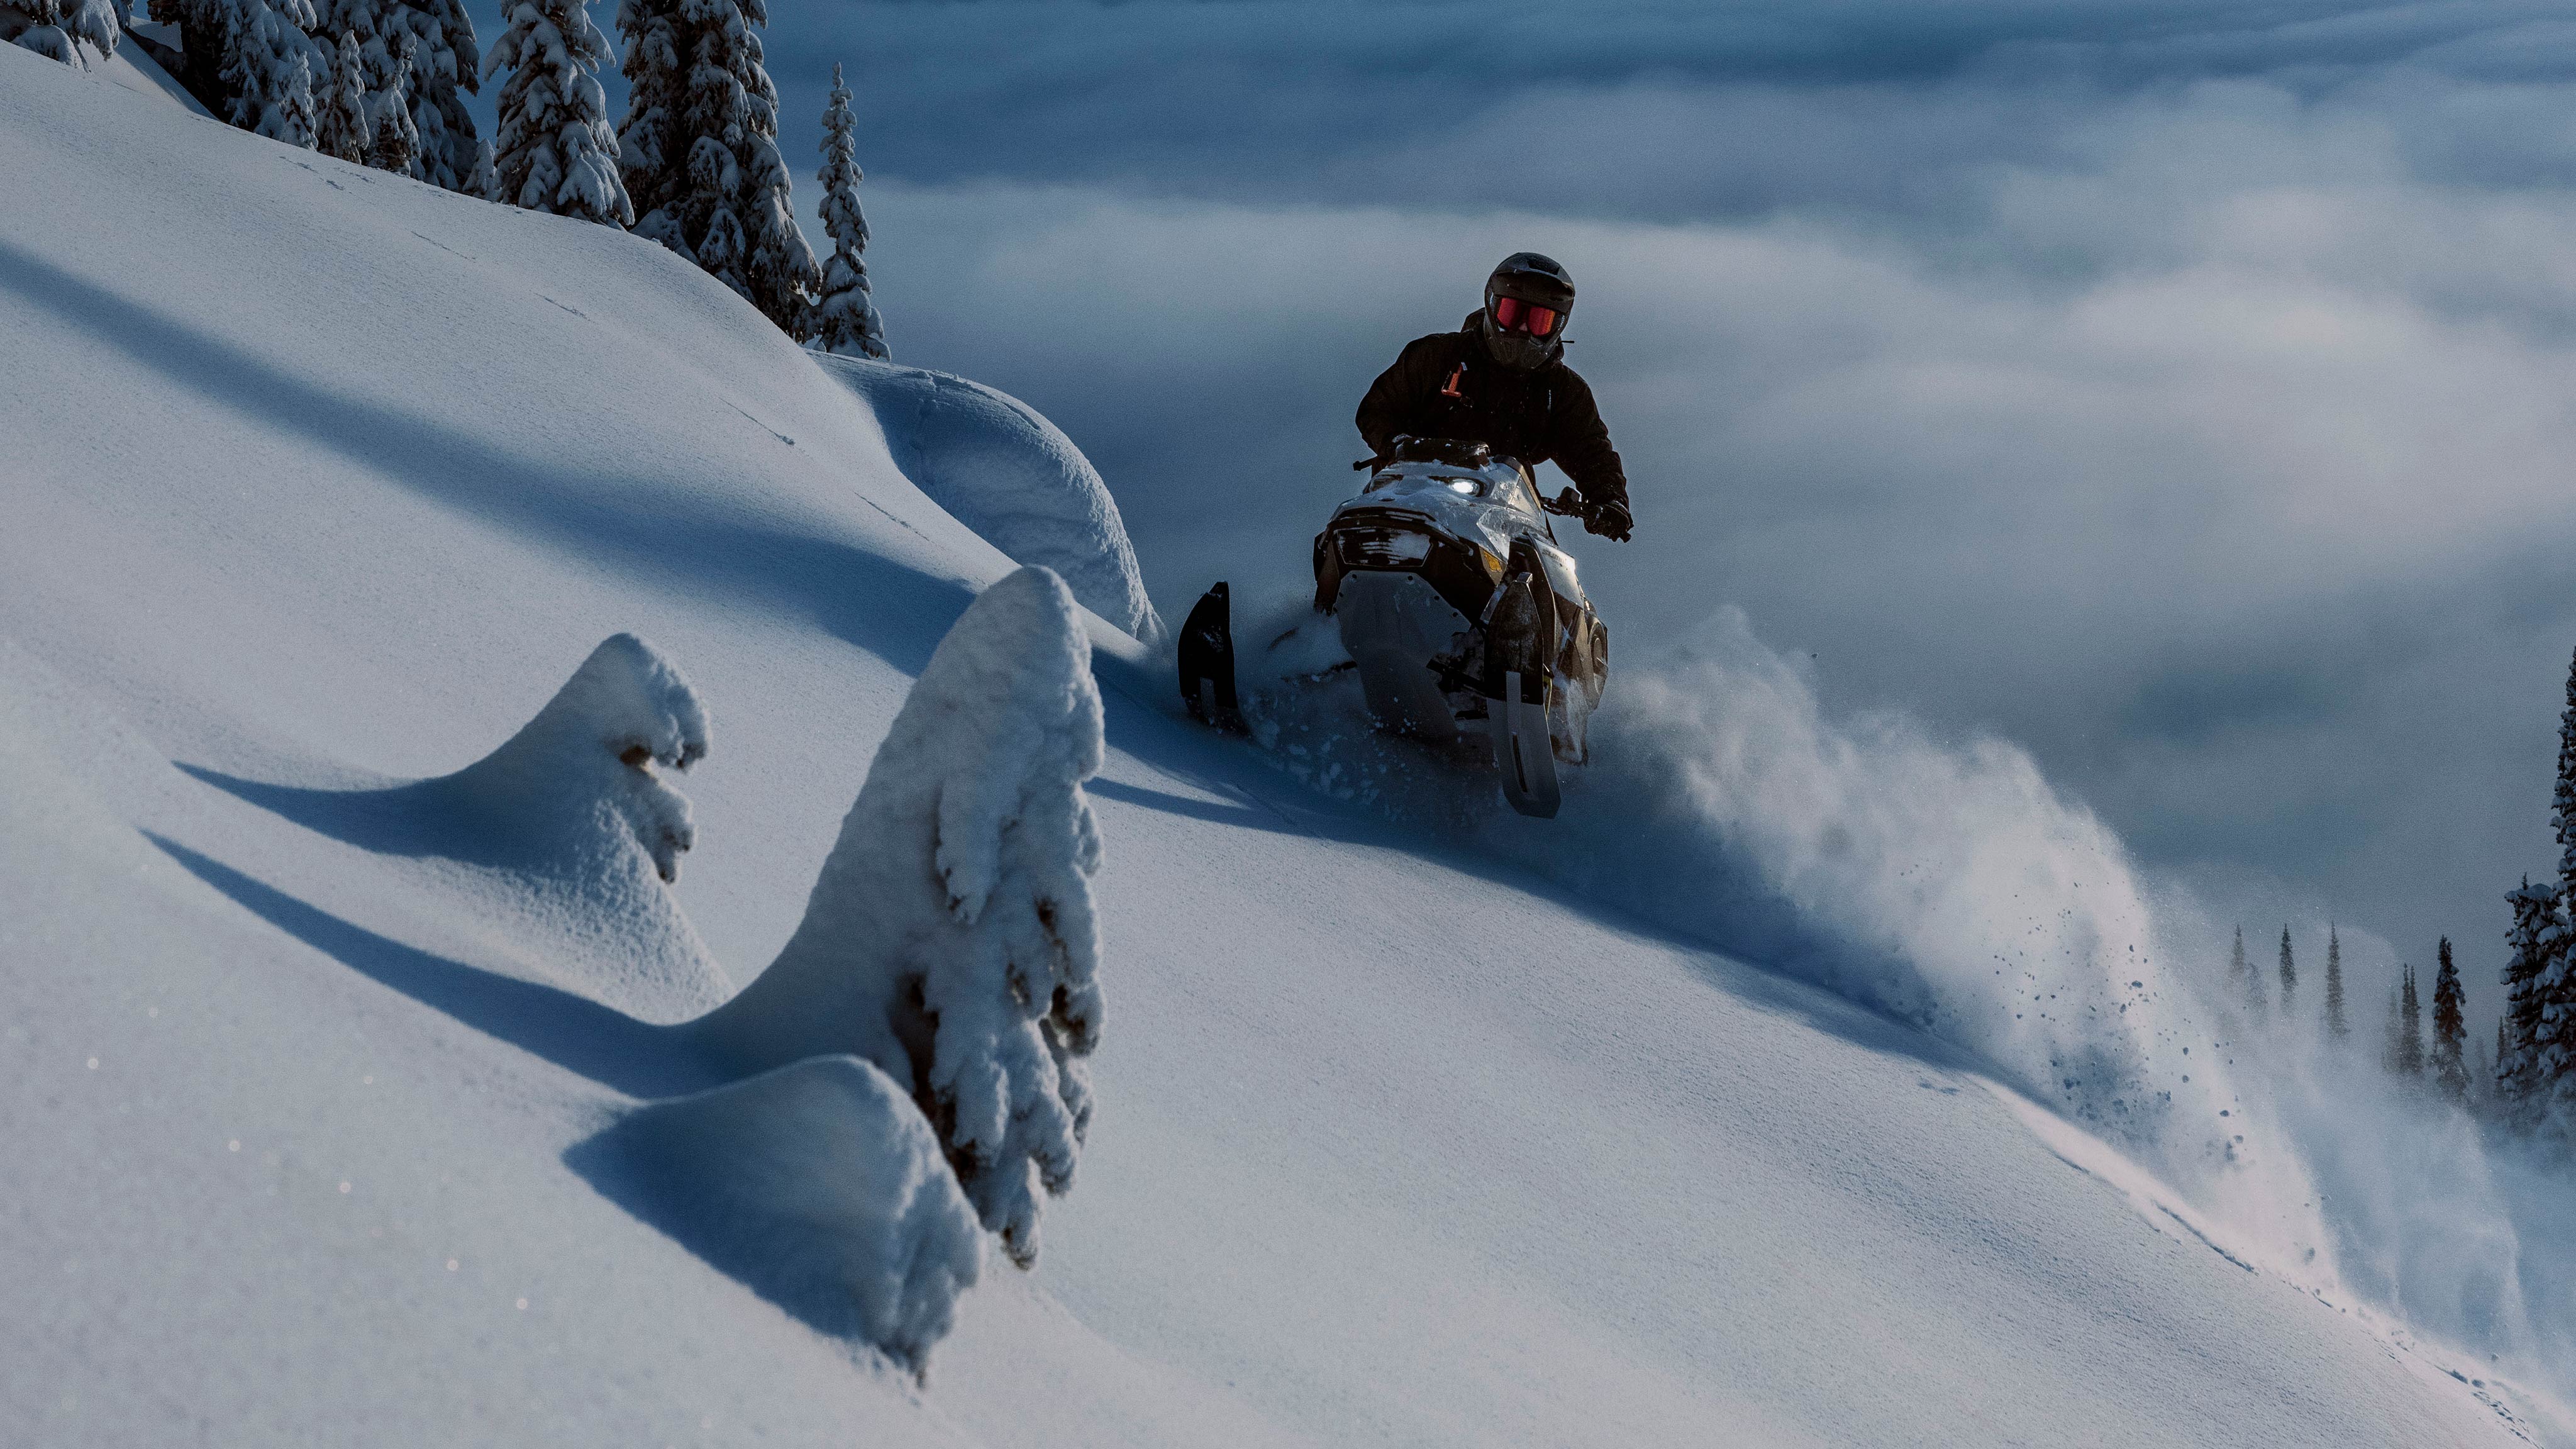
(950, 938)
(1946, 884)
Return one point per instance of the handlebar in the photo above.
(1567, 504)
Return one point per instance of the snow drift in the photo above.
(820, 1185)
(577, 784)
(950, 938)
(1010, 475)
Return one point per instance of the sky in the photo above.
(2185, 392)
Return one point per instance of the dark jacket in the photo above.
(1445, 386)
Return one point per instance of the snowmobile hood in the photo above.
(1491, 505)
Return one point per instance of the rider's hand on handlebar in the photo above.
(1610, 520)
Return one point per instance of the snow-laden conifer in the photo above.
(2409, 1027)
(2405, 1054)
(553, 149)
(950, 938)
(2337, 1028)
(75, 32)
(445, 59)
(2289, 977)
(396, 146)
(699, 150)
(2242, 975)
(344, 130)
(2530, 944)
(845, 318)
(2450, 1029)
(270, 67)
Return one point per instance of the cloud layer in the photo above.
(2181, 389)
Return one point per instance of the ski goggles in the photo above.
(1514, 315)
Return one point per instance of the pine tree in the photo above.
(2409, 1030)
(344, 130)
(2450, 1029)
(554, 150)
(845, 319)
(2242, 976)
(2549, 1061)
(397, 144)
(699, 147)
(445, 150)
(269, 67)
(2531, 940)
(74, 32)
(2336, 1027)
(2289, 975)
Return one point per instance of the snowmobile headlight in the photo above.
(1468, 486)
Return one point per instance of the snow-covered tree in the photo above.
(950, 938)
(445, 59)
(75, 32)
(344, 132)
(270, 66)
(2289, 976)
(2450, 1029)
(2532, 945)
(396, 146)
(553, 150)
(2406, 1027)
(2337, 1028)
(2241, 973)
(699, 149)
(845, 319)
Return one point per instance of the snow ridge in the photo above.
(1006, 472)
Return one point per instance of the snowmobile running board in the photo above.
(1207, 663)
(1521, 751)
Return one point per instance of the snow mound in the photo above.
(819, 1185)
(562, 839)
(1009, 474)
(581, 773)
(950, 938)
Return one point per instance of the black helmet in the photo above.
(1534, 279)
(1527, 301)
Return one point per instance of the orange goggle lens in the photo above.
(1514, 315)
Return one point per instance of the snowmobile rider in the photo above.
(1501, 380)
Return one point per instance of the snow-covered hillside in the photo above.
(320, 483)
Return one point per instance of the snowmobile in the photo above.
(1463, 617)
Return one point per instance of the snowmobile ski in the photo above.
(1516, 702)
(1207, 663)
(1527, 764)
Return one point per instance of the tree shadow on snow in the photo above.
(684, 1185)
(607, 1046)
(411, 820)
(877, 603)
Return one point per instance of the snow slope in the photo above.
(320, 483)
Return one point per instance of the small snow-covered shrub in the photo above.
(821, 1186)
(584, 765)
(950, 938)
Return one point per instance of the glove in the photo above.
(1610, 520)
